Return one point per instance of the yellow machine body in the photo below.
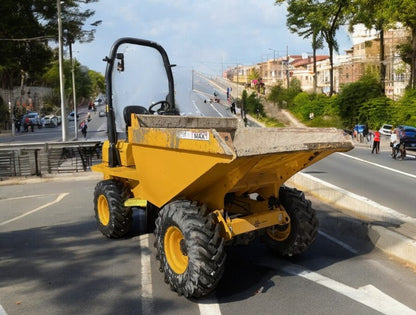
(203, 159)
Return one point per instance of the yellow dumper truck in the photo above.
(204, 182)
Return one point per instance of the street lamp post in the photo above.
(73, 91)
(61, 73)
(74, 95)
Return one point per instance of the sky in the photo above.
(204, 35)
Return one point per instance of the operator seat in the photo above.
(133, 109)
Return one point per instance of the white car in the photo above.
(386, 129)
(50, 121)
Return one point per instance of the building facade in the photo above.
(363, 57)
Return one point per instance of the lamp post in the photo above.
(74, 95)
(61, 73)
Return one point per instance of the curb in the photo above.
(389, 230)
(49, 178)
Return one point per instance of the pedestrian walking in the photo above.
(84, 128)
(376, 142)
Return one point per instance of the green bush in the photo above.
(375, 112)
(354, 95)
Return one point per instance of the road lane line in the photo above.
(210, 307)
(367, 295)
(377, 165)
(146, 276)
(2, 311)
(216, 109)
(213, 107)
(21, 197)
(197, 111)
(340, 243)
(58, 199)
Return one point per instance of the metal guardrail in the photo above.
(36, 159)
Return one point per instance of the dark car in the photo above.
(410, 136)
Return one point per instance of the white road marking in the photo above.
(377, 165)
(2, 311)
(216, 109)
(146, 276)
(197, 111)
(367, 295)
(340, 243)
(21, 197)
(58, 199)
(211, 307)
(221, 115)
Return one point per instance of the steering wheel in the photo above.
(164, 105)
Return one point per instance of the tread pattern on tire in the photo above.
(204, 244)
(120, 216)
(304, 223)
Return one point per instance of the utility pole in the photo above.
(61, 74)
(287, 66)
(73, 91)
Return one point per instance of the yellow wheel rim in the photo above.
(279, 233)
(103, 211)
(175, 250)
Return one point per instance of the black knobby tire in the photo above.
(114, 220)
(303, 228)
(189, 248)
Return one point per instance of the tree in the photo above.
(24, 51)
(319, 18)
(371, 14)
(26, 27)
(354, 95)
(97, 82)
(302, 20)
(88, 82)
(253, 75)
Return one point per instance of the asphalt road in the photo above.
(378, 177)
(54, 261)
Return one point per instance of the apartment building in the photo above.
(363, 57)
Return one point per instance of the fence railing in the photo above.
(36, 159)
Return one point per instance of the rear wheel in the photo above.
(189, 248)
(114, 220)
(297, 236)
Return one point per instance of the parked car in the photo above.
(71, 116)
(410, 136)
(102, 113)
(386, 129)
(50, 121)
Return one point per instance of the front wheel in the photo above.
(114, 220)
(297, 236)
(189, 248)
